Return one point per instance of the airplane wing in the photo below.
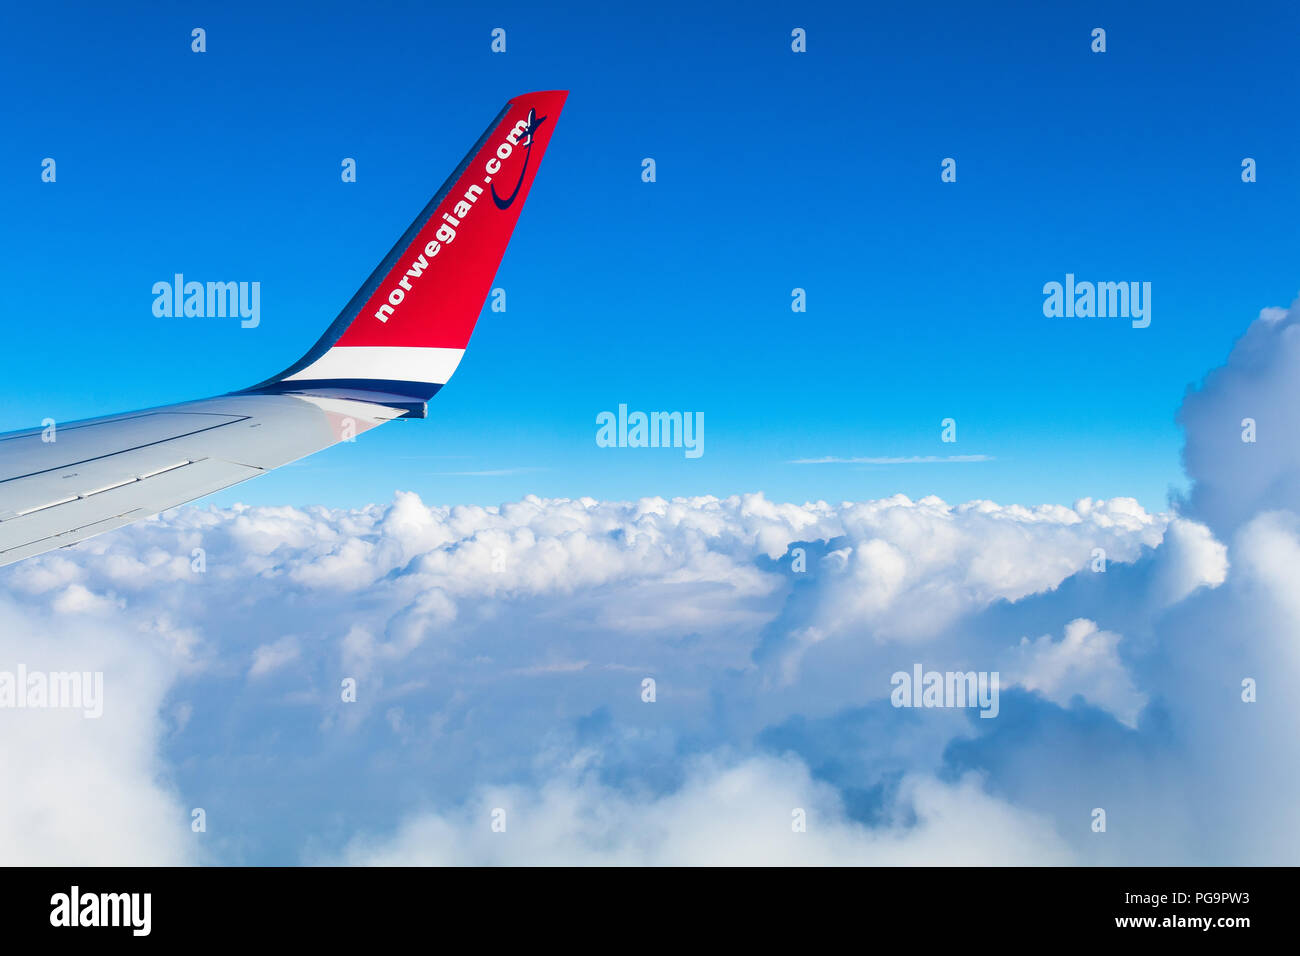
(392, 347)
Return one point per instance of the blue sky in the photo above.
(775, 171)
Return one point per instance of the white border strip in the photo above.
(402, 364)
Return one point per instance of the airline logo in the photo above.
(518, 140)
(530, 125)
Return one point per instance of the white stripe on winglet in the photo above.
(401, 364)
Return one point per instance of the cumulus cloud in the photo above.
(1254, 396)
(79, 789)
(1086, 663)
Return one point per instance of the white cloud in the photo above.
(271, 657)
(1234, 479)
(738, 813)
(1189, 558)
(1085, 662)
(86, 791)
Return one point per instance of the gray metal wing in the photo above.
(64, 484)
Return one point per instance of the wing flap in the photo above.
(70, 521)
(37, 451)
(61, 492)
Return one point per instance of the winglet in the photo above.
(405, 330)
